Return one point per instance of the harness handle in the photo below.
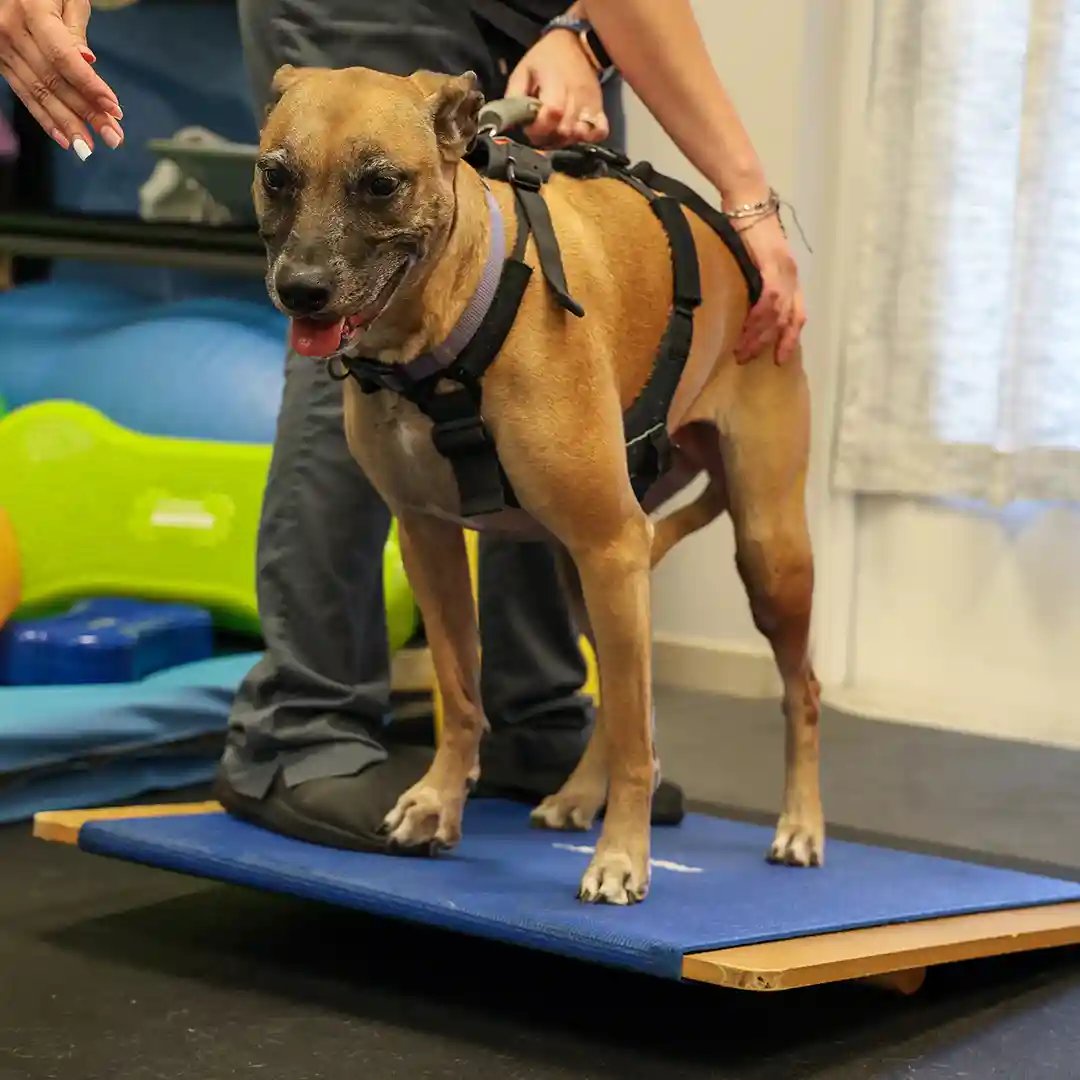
(505, 114)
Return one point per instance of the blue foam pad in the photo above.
(711, 886)
(108, 782)
(104, 641)
(68, 734)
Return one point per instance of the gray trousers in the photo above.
(314, 704)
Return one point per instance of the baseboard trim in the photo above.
(411, 671)
(714, 667)
(1003, 720)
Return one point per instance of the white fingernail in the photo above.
(82, 151)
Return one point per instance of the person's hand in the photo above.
(779, 316)
(557, 72)
(45, 59)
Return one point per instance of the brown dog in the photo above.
(370, 216)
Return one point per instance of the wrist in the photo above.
(741, 183)
(585, 39)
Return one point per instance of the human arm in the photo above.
(659, 50)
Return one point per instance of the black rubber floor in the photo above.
(112, 971)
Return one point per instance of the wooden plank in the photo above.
(881, 950)
(62, 826)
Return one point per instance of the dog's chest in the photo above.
(391, 440)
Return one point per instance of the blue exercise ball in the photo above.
(203, 368)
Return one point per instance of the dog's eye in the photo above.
(275, 178)
(383, 185)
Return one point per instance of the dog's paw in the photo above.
(424, 821)
(568, 811)
(615, 877)
(473, 779)
(798, 843)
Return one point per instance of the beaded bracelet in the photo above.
(769, 205)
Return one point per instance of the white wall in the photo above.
(969, 619)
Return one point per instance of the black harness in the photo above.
(458, 428)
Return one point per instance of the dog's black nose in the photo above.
(303, 290)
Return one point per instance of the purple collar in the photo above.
(443, 355)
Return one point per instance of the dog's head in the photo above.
(354, 190)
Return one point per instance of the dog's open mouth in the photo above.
(319, 338)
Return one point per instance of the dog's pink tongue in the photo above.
(316, 339)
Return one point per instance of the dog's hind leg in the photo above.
(679, 524)
(428, 815)
(697, 451)
(576, 804)
(765, 448)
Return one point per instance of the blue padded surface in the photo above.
(48, 725)
(111, 782)
(711, 887)
(104, 640)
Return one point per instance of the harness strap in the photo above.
(547, 246)
(648, 444)
(712, 217)
(459, 434)
(526, 171)
(459, 431)
(485, 344)
(686, 279)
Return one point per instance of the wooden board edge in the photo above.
(872, 952)
(63, 826)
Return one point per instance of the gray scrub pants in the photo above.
(314, 705)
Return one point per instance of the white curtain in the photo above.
(962, 357)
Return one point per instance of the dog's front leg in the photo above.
(428, 815)
(615, 583)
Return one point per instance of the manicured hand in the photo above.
(779, 316)
(45, 59)
(557, 72)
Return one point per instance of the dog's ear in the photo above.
(285, 77)
(455, 102)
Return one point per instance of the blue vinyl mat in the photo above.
(711, 887)
(73, 746)
(76, 786)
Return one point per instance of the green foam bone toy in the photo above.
(101, 510)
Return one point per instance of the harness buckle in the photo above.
(461, 435)
(377, 375)
(521, 174)
(584, 160)
(606, 153)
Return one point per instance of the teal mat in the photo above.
(69, 746)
